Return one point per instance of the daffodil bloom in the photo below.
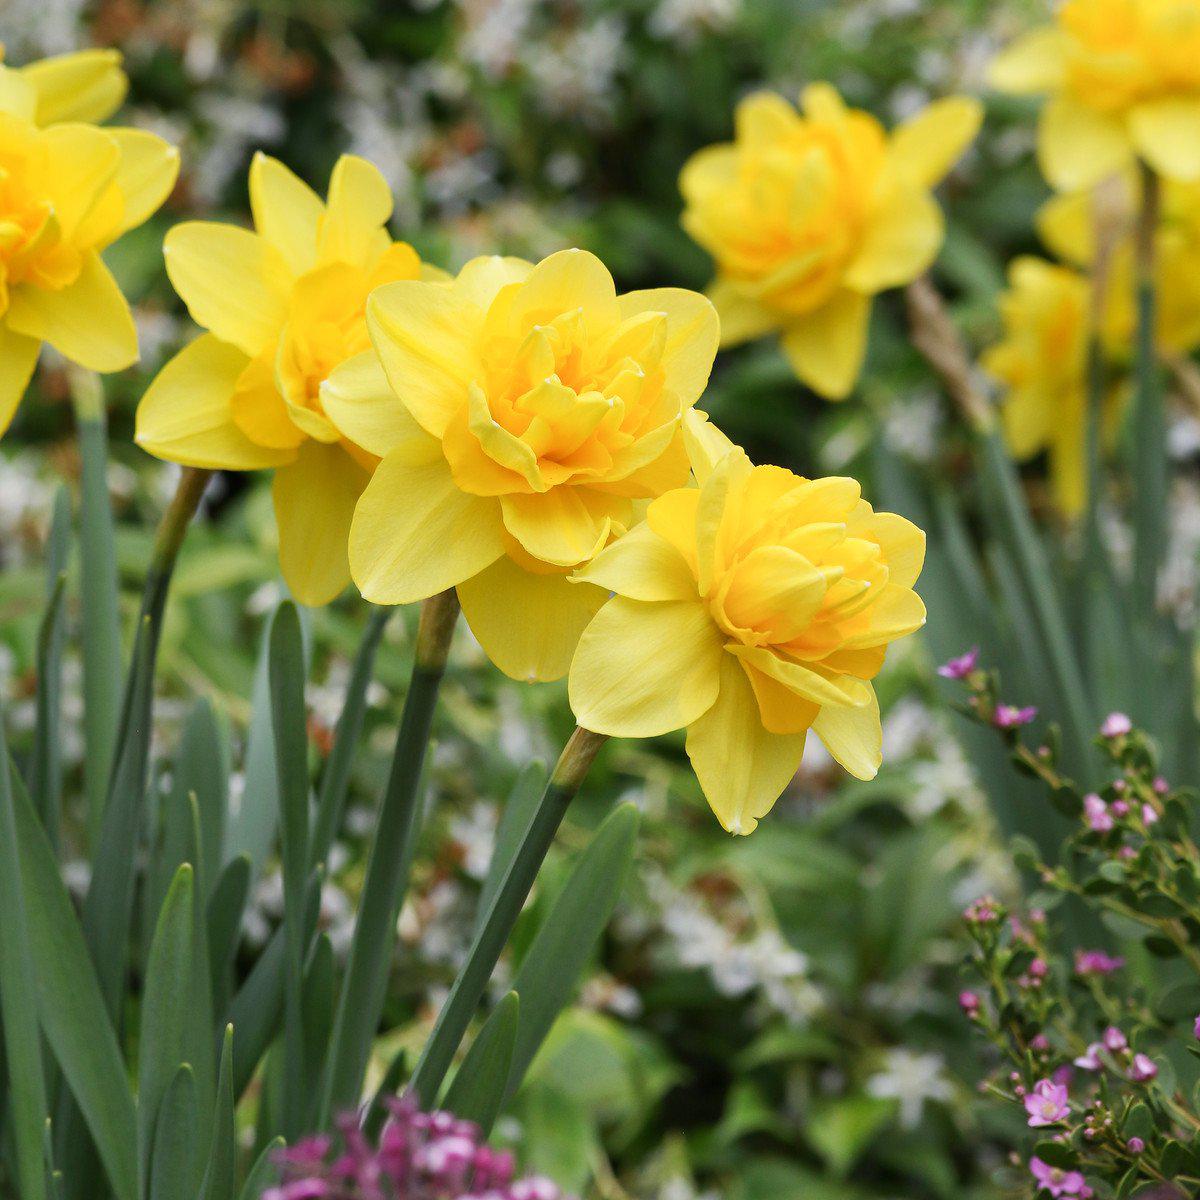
(284, 305)
(748, 611)
(523, 414)
(1042, 363)
(1067, 224)
(809, 214)
(68, 190)
(1123, 81)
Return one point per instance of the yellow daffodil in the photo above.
(1067, 224)
(521, 414)
(1123, 81)
(283, 305)
(809, 214)
(748, 611)
(68, 190)
(1042, 363)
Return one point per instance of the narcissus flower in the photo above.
(748, 611)
(809, 214)
(284, 305)
(68, 190)
(1123, 81)
(521, 414)
(1042, 363)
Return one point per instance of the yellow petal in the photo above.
(693, 334)
(147, 173)
(415, 534)
(645, 669)
(233, 282)
(1068, 468)
(1167, 135)
(88, 322)
(360, 203)
(742, 768)
(425, 336)
(853, 736)
(827, 347)
(565, 525)
(642, 566)
(807, 683)
(1078, 146)
(528, 625)
(561, 283)
(764, 119)
(822, 102)
(83, 161)
(314, 505)
(287, 212)
(484, 277)
(903, 545)
(743, 317)
(185, 414)
(18, 357)
(1065, 223)
(260, 411)
(1032, 65)
(896, 613)
(928, 144)
(900, 243)
(360, 402)
(87, 86)
(706, 444)
(18, 97)
(779, 708)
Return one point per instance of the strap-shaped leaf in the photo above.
(175, 1140)
(514, 820)
(550, 970)
(263, 1173)
(317, 1014)
(202, 770)
(26, 1097)
(477, 1091)
(72, 1011)
(222, 1155)
(226, 906)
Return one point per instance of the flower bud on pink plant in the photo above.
(1009, 716)
(960, 667)
(1096, 814)
(1142, 1069)
(1116, 724)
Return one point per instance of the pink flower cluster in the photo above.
(1096, 962)
(418, 1156)
(1059, 1182)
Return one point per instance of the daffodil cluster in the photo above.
(808, 215)
(68, 190)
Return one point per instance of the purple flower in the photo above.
(1135, 1145)
(1008, 716)
(1149, 814)
(1089, 1060)
(1142, 1069)
(1096, 962)
(1096, 814)
(1114, 1040)
(969, 1003)
(1116, 724)
(1196, 1028)
(1047, 1104)
(1057, 1181)
(960, 667)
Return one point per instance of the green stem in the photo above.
(493, 933)
(365, 985)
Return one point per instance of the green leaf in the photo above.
(389, 1085)
(202, 769)
(1057, 1154)
(317, 1014)
(567, 938)
(841, 1130)
(288, 722)
(263, 1173)
(514, 820)
(26, 1098)
(478, 1089)
(72, 1010)
(222, 1155)
(226, 906)
(173, 1164)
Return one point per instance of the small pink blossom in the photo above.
(1089, 1060)
(1120, 808)
(1115, 1040)
(1096, 814)
(1149, 814)
(1116, 724)
(1142, 1069)
(1096, 962)
(1057, 1181)
(969, 1003)
(1196, 1028)
(1135, 1145)
(1009, 716)
(1161, 786)
(960, 667)
(983, 911)
(1047, 1104)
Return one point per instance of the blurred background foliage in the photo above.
(771, 1017)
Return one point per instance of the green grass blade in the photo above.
(202, 768)
(335, 781)
(25, 1103)
(291, 758)
(222, 1155)
(514, 820)
(73, 1014)
(478, 1088)
(263, 1173)
(175, 1140)
(317, 1014)
(567, 938)
(226, 906)
(101, 615)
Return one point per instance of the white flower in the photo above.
(912, 1079)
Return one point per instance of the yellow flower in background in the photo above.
(1067, 225)
(68, 190)
(1123, 81)
(748, 611)
(809, 214)
(1041, 361)
(284, 305)
(521, 414)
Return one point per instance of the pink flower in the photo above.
(1096, 814)
(1149, 814)
(1008, 716)
(1161, 786)
(968, 1002)
(1114, 1040)
(1096, 962)
(1047, 1104)
(1196, 1028)
(1120, 808)
(982, 911)
(1116, 724)
(1142, 1069)
(1057, 1181)
(960, 667)
(1135, 1145)
(1089, 1060)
